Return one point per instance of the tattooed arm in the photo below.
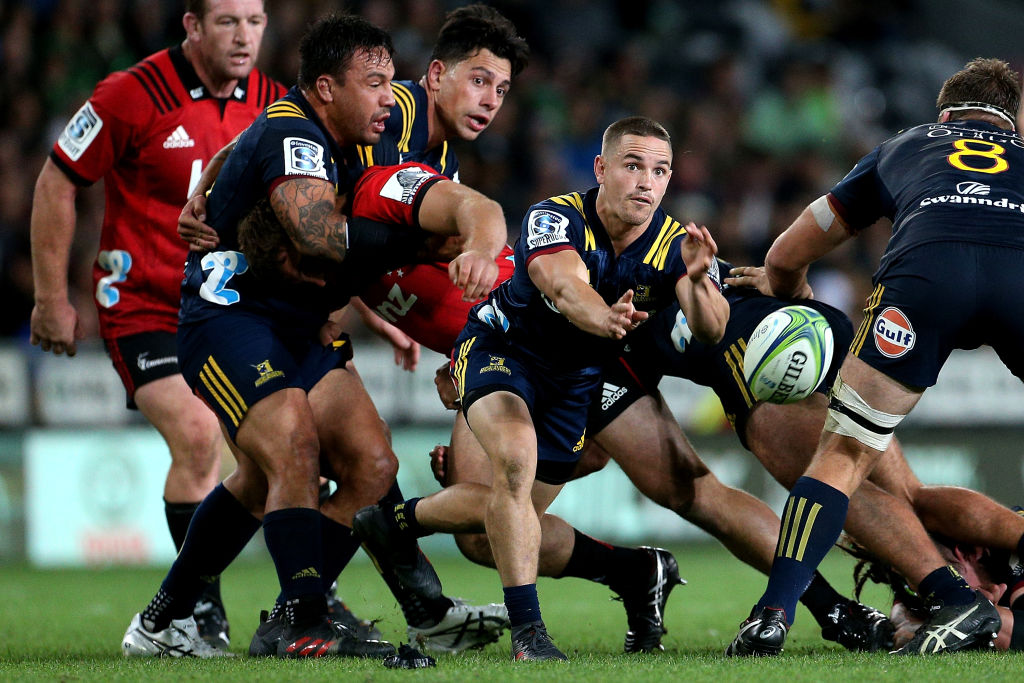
(306, 207)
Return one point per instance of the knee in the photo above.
(475, 548)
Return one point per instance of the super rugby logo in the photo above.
(545, 228)
(81, 130)
(403, 184)
(304, 157)
(894, 335)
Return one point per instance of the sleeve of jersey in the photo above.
(393, 194)
(548, 228)
(860, 199)
(95, 138)
(293, 150)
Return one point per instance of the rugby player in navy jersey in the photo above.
(953, 191)
(257, 353)
(528, 362)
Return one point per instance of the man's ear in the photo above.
(324, 86)
(435, 70)
(191, 23)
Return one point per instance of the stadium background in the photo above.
(769, 103)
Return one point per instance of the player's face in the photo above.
(361, 107)
(470, 93)
(633, 178)
(229, 37)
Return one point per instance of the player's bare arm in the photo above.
(54, 323)
(454, 209)
(706, 310)
(814, 233)
(306, 207)
(562, 277)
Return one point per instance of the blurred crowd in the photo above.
(769, 103)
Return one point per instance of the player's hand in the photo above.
(749, 276)
(623, 317)
(474, 273)
(446, 389)
(698, 250)
(330, 332)
(55, 327)
(191, 228)
(407, 351)
(439, 463)
(905, 624)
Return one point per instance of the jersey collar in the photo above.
(190, 79)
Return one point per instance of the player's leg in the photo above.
(222, 525)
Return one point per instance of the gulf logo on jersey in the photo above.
(894, 335)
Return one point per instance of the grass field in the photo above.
(67, 625)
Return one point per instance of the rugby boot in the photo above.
(950, 628)
(339, 613)
(762, 635)
(180, 639)
(324, 638)
(858, 627)
(396, 554)
(531, 643)
(645, 604)
(463, 627)
(212, 622)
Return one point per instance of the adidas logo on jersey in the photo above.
(179, 139)
(610, 394)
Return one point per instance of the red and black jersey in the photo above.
(418, 299)
(148, 132)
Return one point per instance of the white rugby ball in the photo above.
(788, 355)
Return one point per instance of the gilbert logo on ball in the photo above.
(894, 335)
(788, 355)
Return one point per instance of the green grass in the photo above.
(67, 626)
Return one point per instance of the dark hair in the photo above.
(329, 44)
(472, 28)
(633, 125)
(985, 82)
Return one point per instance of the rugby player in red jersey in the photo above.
(186, 102)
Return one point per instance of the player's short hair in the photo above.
(201, 7)
(329, 44)
(988, 83)
(633, 125)
(472, 28)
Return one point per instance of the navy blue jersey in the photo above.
(407, 133)
(286, 141)
(960, 181)
(650, 266)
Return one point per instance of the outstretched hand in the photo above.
(698, 250)
(623, 317)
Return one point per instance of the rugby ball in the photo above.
(788, 355)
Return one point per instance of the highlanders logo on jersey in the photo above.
(403, 184)
(267, 373)
(81, 130)
(894, 335)
(304, 157)
(497, 365)
(546, 228)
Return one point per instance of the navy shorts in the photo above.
(938, 297)
(484, 362)
(143, 358)
(652, 355)
(235, 359)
